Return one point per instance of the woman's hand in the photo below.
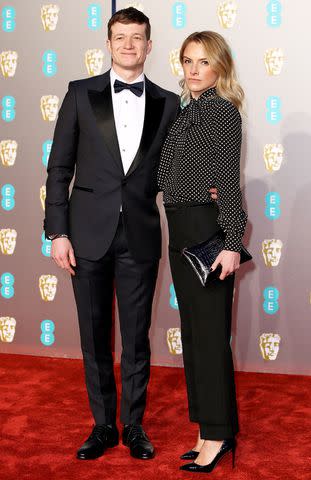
(230, 262)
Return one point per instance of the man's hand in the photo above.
(63, 254)
(230, 262)
(213, 192)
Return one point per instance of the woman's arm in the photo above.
(232, 218)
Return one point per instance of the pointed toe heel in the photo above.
(190, 455)
(226, 447)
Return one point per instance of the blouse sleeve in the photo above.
(167, 155)
(228, 137)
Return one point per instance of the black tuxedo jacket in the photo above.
(85, 145)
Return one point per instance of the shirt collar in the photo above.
(209, 93)
(114, 76)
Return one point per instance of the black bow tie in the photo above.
(136, 88)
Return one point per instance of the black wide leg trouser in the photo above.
(205, 314)
(93, 287)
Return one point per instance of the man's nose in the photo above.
(128, 43)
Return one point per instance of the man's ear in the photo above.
(149, 46)
(108, 45)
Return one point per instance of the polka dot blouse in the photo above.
(202, 150)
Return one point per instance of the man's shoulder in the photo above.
(91, 82)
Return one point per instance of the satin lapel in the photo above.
(101, 103)
(153, 115)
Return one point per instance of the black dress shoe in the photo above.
(139, 444)
(101, 438)
(191, 455)
(226, 447)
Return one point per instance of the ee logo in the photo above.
(179, 15)
(7, 282)
(274, 9)
(8, 200)
(47, 335)
(271, 296)
(273, 113)
(49, 67)
(46, 150)
(272, 210)
(173, 298)
(8, 19)
(46, 246)
(8, 108)
(94, 19)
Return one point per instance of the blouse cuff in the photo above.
(233, 242)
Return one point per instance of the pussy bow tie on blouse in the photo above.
(191, 116)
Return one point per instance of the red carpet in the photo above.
(45, 417)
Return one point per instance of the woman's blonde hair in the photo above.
(220, 59)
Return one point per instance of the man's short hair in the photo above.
(129, 15)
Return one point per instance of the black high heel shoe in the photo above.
(226, 447)
(191, 455)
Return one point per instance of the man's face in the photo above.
(128, 45)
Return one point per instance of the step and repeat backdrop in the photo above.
(45, 45)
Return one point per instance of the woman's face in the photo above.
(198, 74)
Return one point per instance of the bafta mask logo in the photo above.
(138, 5)
(7, 329)
(272, 251)
(49, 107)
(49, 17)
(175, 63)
(8, 63)
(8, 151)
(94, 60)
(273, 156)
(269, 345)
(227, 12)
(8, 241)
(47, 286)
(43, 196)
(274, 59)
(173, 338)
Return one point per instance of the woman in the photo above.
(202, 150)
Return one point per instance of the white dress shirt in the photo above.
(129, 114)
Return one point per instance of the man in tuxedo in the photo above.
(108, 137)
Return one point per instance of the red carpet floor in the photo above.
(45, 417)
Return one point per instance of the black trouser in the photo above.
(93, 288)
(205, 314)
